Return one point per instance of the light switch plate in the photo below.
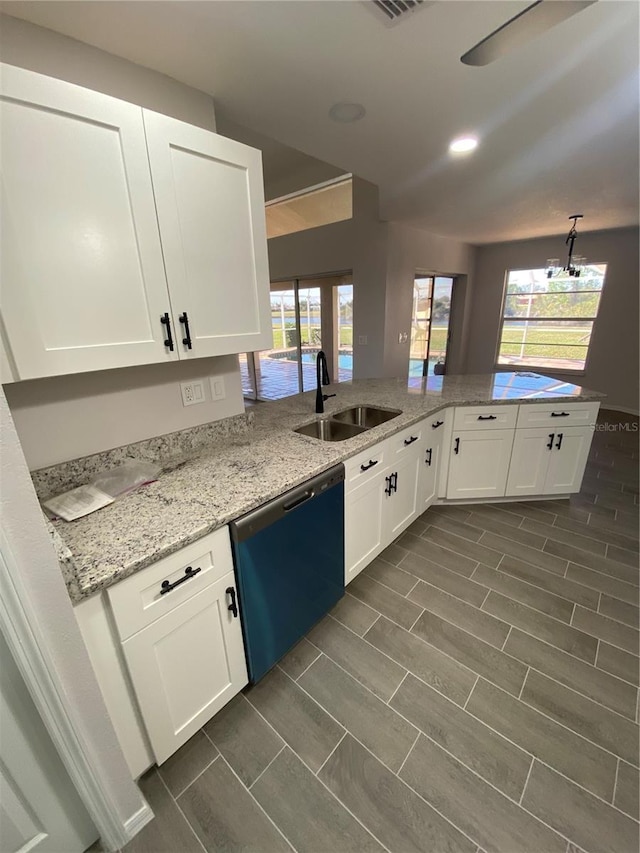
(192, 392)
(218, 391)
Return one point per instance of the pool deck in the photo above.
(279, 378)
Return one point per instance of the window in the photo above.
(319, 205)
(547, 322)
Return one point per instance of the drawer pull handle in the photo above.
(167, 586)
(427, 461)
(552, 435)
(560, 414)
(168, 341)
(437, 424)
(187, 334)
(559, 441)
(487, 417)
(372, 462)
(409, 441)
(233, 607)
(456, 449)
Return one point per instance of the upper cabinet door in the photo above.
(210, 205)
(83, 281)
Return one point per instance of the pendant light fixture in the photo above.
(575, 263)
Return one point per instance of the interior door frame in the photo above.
(433, 276)
(19, 625)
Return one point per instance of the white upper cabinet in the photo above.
(83, 282)
(128, 237)
(210, 204)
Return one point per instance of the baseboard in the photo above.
(498, 500)
(138, 821)
(622, 409)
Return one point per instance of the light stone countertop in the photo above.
(201, 491)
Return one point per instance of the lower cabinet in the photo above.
(479, 463)
(186, 666)
(363, 519)
(545, 462)
(430, 460)
(401, 495)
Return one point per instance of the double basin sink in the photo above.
(348, 423)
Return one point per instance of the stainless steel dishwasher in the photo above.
(289, 563)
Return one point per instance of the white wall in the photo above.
(65, 417)
(40, 577)
(38, 49)
(612, 366)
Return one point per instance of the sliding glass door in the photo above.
(430, 321)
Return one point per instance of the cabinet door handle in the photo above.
(395, 481)
(167, 586)
(388, 488)
(409, 441)
(187, 334)
(233, 607)
(560, 414)
(552, 435)
(437, 424)
(559, 441)
(168, 341)
(372, 462)
(428, 458)
(456, 447)
(487, 417)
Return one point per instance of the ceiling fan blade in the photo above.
(535, 19)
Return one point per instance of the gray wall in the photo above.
(612, 366)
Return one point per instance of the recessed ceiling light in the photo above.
(347, 112)
(463, 144)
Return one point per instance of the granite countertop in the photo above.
(200, 491)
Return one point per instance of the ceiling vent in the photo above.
(391, 12)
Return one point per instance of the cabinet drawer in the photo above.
(436, 425)
(365, 465)
(485, 417)
(558, 414)
(138, 601)
(407, 440)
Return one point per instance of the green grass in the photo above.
(279, 342)
(546, 343)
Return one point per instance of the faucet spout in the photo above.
(323, 378)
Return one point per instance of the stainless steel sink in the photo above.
(366, 417)
(330, 430)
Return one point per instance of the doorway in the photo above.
(307, 315)
(430, 324)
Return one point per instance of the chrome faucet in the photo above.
(322, 375)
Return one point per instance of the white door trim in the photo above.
(26, 642)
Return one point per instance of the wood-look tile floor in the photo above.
(475, 690)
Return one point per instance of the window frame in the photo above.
(506, 368)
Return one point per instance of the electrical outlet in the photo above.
(218, 391)
(192, 392)
(362, 340)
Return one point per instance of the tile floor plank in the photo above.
(567, 537)
(584, 762)
(245, 740)
(495, 822)
(308, 815)
(471, 619)
(437, 554)
(619, 610)
(577, 814)
(461, 587)
(169, 830)
(490, 755)
(575, 642)
(427, 663)
(367, 718)
(355, 615)
(475, 551)
(360, 659)
(185, 764)
(603, 583)
(593, 531)
(397, 816)
(564, 587)
(588, 719)
(568, 670)
(225, 816)
(526, 591)
(489, 522)
(517, 550)
(395, 607)
(624, 555)
(391, 576)
(627, 790)
(478, 656)
(299, 720)
(445, 524)
(606, 629)
(597, 562)
(299, 658)
(619, 663)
